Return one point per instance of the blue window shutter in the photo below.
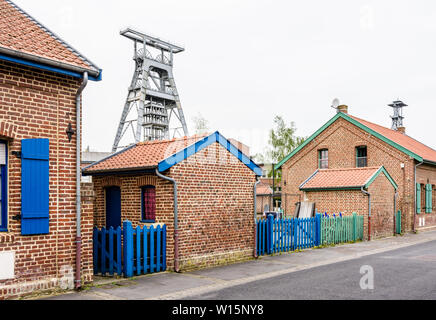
(34, 186)
(418, 198)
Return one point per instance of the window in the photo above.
(361, 157)
(3, 187)
(148, 203)
(323, 159)
(423, 194)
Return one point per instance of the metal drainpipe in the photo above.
(369, 212)
(414, 188)
(255, 216)
(78, 282)
(176, 227)
(395, 211)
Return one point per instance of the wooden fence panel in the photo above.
(129, 251)
(341, 229)
(398, 222)
(283, 235)
(107, 251)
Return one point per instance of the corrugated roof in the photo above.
(143, 155)
(340, 178)
(20, 33)
(402, 139)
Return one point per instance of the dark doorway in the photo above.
(113, 207)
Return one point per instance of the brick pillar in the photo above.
(87, 221)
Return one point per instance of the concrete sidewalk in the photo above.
(170, 285)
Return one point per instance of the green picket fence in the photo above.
(398, 222)
(344, 229)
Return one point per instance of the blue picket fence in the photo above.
(129, 251)
(147, 254)
(107, 251)
(282, 235)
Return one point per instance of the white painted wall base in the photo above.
(7, 265)
(422, 222)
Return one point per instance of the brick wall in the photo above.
(346, 202)
(341, 138)
(87, 209)
(215, 207)
(263, 201)
(382, 207)
(39, 104)
(130, 186)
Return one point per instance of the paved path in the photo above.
(257, 279)
(406, 273)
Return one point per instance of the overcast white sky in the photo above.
(247, 61)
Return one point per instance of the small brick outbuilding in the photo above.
(214, 196)
(346, 191)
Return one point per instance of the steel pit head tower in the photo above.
(397, 118)
(152, 102)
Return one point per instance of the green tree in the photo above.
(260, 158)
(201, 124)
(282, 140)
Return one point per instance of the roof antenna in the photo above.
(336, 104)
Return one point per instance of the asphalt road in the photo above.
(406, 273)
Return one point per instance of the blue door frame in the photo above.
(4, 192)
(113, 207)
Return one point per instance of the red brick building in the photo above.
(41, 79)
(346, 142)
(208, 178)
(264, 198)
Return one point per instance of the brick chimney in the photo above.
(402, 130)
(343, 108)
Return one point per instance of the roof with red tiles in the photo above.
(402, 139)
(162, 155)
(21, 34)
(144, 155)
(263, 189)
(396, 139)
(344, 178)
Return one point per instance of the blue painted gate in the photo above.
(128, 251)
(282, 235)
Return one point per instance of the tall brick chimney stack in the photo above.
(402, 130)
(343, 108)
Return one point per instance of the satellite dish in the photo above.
(335, 103)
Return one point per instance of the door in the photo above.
(113, 207)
